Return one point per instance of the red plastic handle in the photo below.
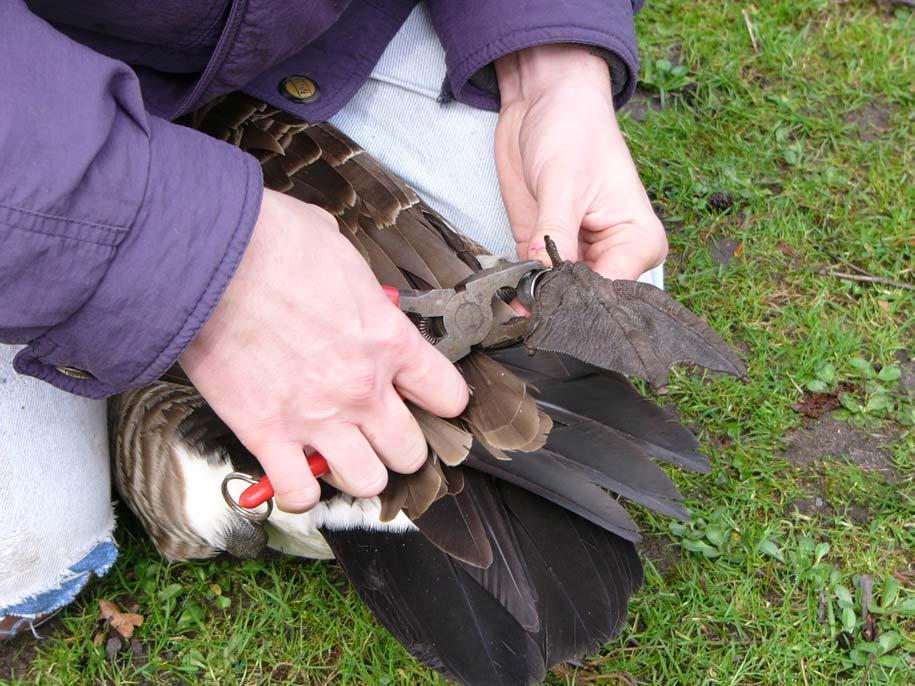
(393, 295)
(262, 491)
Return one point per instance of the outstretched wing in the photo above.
(623, 326)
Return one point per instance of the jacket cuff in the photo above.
(474, 37)
(201, 202)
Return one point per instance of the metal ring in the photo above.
(250, 514)
(527, 286)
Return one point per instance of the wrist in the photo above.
(530, 73)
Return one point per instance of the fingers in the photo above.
(428, 379)
(296, 490)
(558, 218)
(395, 436)
(629, 251)
(354, 466)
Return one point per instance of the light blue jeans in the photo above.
(55, 512)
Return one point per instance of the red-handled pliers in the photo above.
(465, 318)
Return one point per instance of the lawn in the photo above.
(777, 142)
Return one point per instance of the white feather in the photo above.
(207, 513)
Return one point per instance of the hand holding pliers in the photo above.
(459, 317)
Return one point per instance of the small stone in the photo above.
(113, 647)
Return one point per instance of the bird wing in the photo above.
(622, 326)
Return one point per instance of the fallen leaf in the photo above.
(786, 249)
(122, 622)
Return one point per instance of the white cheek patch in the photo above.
(207, 513)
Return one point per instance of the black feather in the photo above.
(506, 578)
(436, 609)
(577, 577)
(541, 473)
(453, 525)
(567, 387)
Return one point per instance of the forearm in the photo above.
(118, 230)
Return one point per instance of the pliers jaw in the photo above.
(465, 313)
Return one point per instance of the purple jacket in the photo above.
(118, 229)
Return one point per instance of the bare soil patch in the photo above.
(663, 553)
(872, 121)
(907, 366)
(642, 103)
(830, 439)
(17, 654)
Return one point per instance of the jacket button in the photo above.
(299, 89)
(73, 372)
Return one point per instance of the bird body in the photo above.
(506, 553)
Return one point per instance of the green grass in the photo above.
(813, 138)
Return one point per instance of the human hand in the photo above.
(564, 168)
(304, 349)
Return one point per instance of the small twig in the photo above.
(746, 18)
(868, 278)
(804, 672)
(856, 268)
(867, 594)
(867, 672)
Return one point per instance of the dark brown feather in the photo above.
(447, 440)
(501, 411)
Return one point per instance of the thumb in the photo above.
(557, 218)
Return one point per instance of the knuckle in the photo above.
(659, 245)
(394, 335)
(369, 483)
(361, 384)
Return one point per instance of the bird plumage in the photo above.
(506, 552)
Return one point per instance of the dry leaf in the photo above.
(122, 622)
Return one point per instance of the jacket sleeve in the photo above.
(118, 230)
(477, 32)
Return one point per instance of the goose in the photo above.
(510, 551)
